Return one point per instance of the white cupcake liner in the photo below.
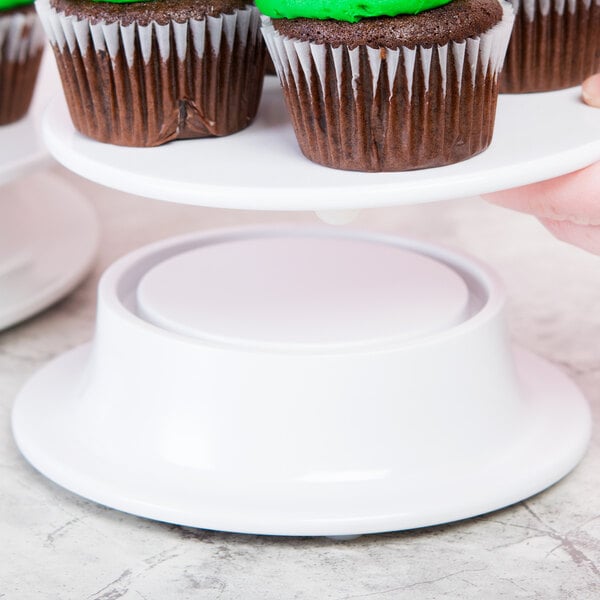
(391, 109)
(483, 55)
(21, 36)
(70, 32)
(555, 44)
(532, 8)
(146, 85)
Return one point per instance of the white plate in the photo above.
(20, 149)
(538, 136)
(48, 241)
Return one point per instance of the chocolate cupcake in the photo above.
(555, 44)
(146, 73)
(368, 92)
(21, 48)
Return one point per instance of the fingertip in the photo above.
(586, 237)
(590, 90)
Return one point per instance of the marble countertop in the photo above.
(56, 545)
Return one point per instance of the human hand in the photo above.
(568, 206)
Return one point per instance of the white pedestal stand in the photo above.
(48, 232)
(304, 381)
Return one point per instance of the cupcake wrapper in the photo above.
(21, 36)
(21, 47)
(555, 44)
(145, 85)
(382, 109)
(532, 9)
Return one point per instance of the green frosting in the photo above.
(344, 10)
(8, 4)
(117, 1)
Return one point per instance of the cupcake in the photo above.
(21, 47)
(555, 44)
(147, 73)
(370, 92)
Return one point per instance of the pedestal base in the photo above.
(550, 443)
(48, 241)
(285, 405)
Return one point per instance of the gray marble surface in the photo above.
(55, 545)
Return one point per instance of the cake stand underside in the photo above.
(530, 462)
(48, 241)
(537, 137)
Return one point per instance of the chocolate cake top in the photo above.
(143, 13)
(455, 22)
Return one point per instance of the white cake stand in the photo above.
(306, 381)
(48, 232)
(538, 136)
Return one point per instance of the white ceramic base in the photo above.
(537, 136)
(48, 241)
(552, 440)
(301, 381)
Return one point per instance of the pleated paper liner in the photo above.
(145, 85)
(555, 45)
(21, 47)
(381, 109)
